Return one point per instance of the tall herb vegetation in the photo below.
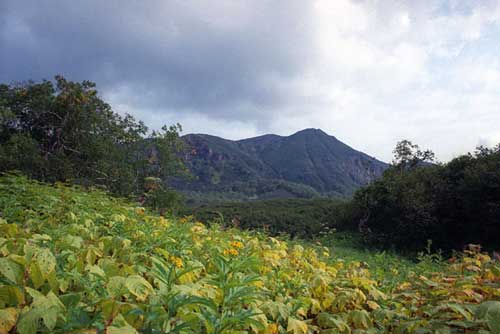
(73, 261)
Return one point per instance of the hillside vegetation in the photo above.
(74, 261)
(309, 163)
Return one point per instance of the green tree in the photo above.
(408, 155)
(452, 204)
(63, 131)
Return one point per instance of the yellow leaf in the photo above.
(139, 287)
(372, 305)
(315, 306)
(86, 331)
(296, 326)
(271, 329)
(468, 292)
(121, 330)
(473, 268)
(301, 312)
(403, 286)
(8, 318)
(46, 261)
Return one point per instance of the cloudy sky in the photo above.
(369, 72)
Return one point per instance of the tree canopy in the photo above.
(63, 131)
(452, 204)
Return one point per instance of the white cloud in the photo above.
(383, 75)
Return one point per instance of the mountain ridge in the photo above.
(308, 163)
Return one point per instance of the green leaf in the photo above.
(443, 330)
(47, 307)
(50, 317)
(37, 296)
(41, 238)
(275, 310)
(71, 241)
(495, 270)
(11, 270)
(96, 270)
(36, 275)
(70, 300)
(9, 230)
(116, 286)
(109, 308)
(10, 295)
(260, 320)
(455, 308)
(28, 322)
(120, 326)
(326, 320)
(490, 312)
(360, 319)
(55, 307)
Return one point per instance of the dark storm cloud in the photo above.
(238, 68)
(171, 55)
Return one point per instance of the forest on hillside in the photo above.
(63, 131)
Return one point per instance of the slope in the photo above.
(73, 261)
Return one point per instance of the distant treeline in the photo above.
(241, 191)
(303, 218)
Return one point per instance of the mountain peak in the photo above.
(311, 131)
(308, 163)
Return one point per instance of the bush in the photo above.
(452, 204)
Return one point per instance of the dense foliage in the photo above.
(296, 217)
(452, 204)
(81, 262)
(243, 191)
(63, 130)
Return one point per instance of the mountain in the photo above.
(306, 164)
